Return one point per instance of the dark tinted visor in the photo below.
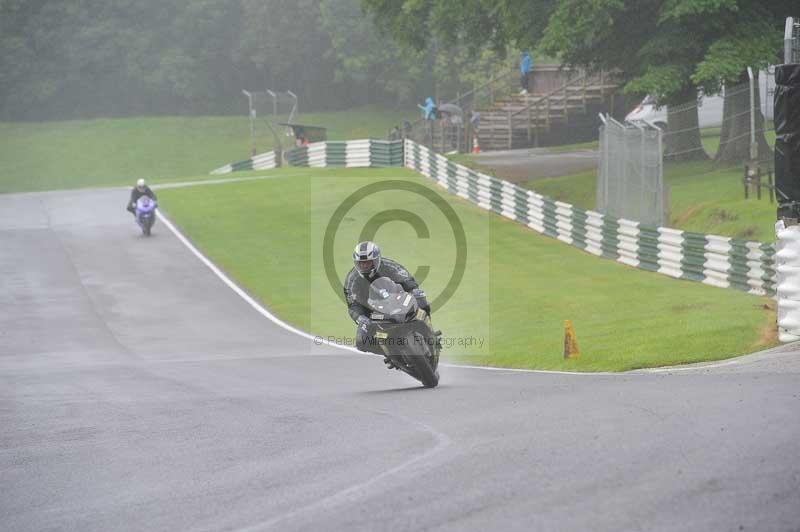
(365, 266)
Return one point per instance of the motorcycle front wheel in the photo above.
(421, 362)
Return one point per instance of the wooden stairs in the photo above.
(519, 120)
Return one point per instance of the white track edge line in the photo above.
(241, 293)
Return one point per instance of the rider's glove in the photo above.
(422, 300)
(363, 323)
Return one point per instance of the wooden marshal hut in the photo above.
(305, 134)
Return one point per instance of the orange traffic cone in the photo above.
(570, 341)
(475, 147)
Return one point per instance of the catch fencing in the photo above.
(630, 180)
(733, 135)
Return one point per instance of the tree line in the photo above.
(86, 58)
(668, 48)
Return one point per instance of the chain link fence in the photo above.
(746, 127)
(630, 180)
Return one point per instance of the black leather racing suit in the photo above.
(356, 290)
(136, 194)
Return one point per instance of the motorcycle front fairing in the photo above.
(401, 326)
(145, 210)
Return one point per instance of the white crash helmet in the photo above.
(367, 259)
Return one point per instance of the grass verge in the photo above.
(518, 286)
(84, 153)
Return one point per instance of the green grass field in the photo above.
(85, 153)
(518, 286)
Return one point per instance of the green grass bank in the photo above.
(103, 152)
(518, 287)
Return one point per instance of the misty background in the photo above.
(88, 58)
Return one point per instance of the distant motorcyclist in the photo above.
(369, 266)
(141, 189)
(144, 206)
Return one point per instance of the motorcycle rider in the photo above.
(368, 265)
(141, 189)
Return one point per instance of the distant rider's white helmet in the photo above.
(140, 184)
(367, 259)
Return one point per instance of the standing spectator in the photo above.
(525, 66)
(300, 137)
(406, 129)
(429, 111)
(475, 120)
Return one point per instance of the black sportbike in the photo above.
(403, 331)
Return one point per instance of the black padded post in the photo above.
(787, 142)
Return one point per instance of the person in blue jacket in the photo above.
(525, 67)
(430, 109)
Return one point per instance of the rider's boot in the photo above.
(438, 335)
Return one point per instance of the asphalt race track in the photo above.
(139, 392)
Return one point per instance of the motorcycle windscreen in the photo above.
(387, 297)
(145, 204)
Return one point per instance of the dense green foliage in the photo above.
(660, 46)
(666, 48)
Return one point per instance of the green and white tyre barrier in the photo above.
(348, 154)
(714, 260)
(263, 161)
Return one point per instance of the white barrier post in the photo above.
(787, 262)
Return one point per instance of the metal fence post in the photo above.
(510, 132)
(753, 145)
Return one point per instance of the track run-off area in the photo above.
(138, 391)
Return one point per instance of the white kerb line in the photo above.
(241, 293)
